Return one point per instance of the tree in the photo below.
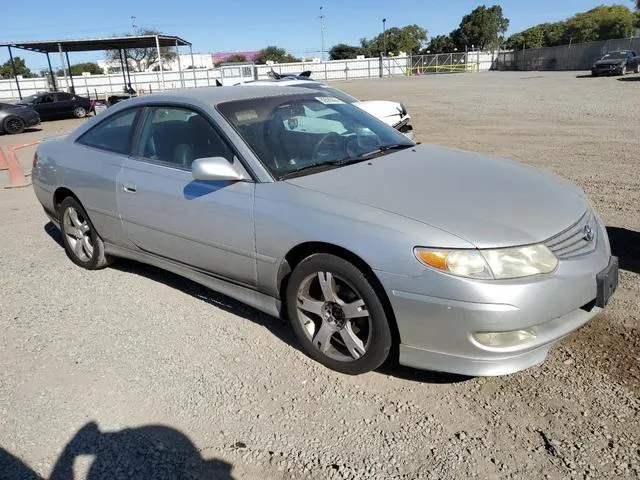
(143, 58)
(78, 68)
(600, 23)
(440, 44)
(481, 28)
(235, 58)
(274, 54)
(408, 39)
(342, 51)
(21, 69)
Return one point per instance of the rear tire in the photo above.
(79, 112)
(348, 332)
(13, 125)
(637, 70)
(82, 243)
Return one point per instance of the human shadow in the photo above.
(625, 244)
(147, 452)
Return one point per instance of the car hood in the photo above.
(389, 112)
(611, 62)
(486, 201)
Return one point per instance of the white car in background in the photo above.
(393, 114)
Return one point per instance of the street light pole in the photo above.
(322, 34)
(384, 36)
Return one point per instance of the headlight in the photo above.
(495, 264)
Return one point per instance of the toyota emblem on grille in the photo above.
(587, 233)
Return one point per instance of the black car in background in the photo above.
(54, 105)
(617, 63)
(15, 118)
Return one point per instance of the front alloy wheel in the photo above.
(79, 112)
(337, 315)
(82, 243)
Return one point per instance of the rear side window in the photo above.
(112, 134)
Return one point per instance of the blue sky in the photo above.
(252, 24)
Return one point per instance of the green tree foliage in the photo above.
(235, 58)
(274, 54)
(143, 58)
(482, 28)
(408, 39)
(342, 51)
(440, 44)
(21, 69)
(601, 23)
(78, 68)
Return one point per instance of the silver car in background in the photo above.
(365, 241)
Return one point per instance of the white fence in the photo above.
(146, 82)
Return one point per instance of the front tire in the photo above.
(623, 70)
(337, 315)
(13, 125)
(79, 112)
(82, 243)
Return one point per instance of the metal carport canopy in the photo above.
(90, 44)
(122, 44)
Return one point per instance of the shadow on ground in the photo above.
(278, 327)
(152, 451)
(630, 79)
(17, 136)
(625, 244)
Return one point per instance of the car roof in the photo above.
(216, 95)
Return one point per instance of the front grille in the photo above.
(573, 241)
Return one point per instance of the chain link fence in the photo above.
(577, 56)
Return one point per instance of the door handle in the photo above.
(129, 187)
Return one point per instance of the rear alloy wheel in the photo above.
(81, 242)
(638, 68)
(13, 125)
(337, 315)
(79, 112)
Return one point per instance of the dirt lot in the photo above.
(132, 348)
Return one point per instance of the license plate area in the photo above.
(607, 281)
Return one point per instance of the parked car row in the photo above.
(40, 107)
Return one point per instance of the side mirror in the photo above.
(216, 168)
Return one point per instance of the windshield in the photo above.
(302, 134)
(615, 56)
(334, 92)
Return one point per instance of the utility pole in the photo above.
(384, 37)
(322, 34)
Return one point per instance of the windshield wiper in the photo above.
(385, 148)
(311, 166)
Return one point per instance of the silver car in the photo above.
(368, 243)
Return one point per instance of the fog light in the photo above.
(504, 339)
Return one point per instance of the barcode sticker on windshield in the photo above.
(246, 115)
(329, 100)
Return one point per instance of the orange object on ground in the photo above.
(3, 161)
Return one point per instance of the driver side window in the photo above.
(176, 136)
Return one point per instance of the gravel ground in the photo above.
(132, 371)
